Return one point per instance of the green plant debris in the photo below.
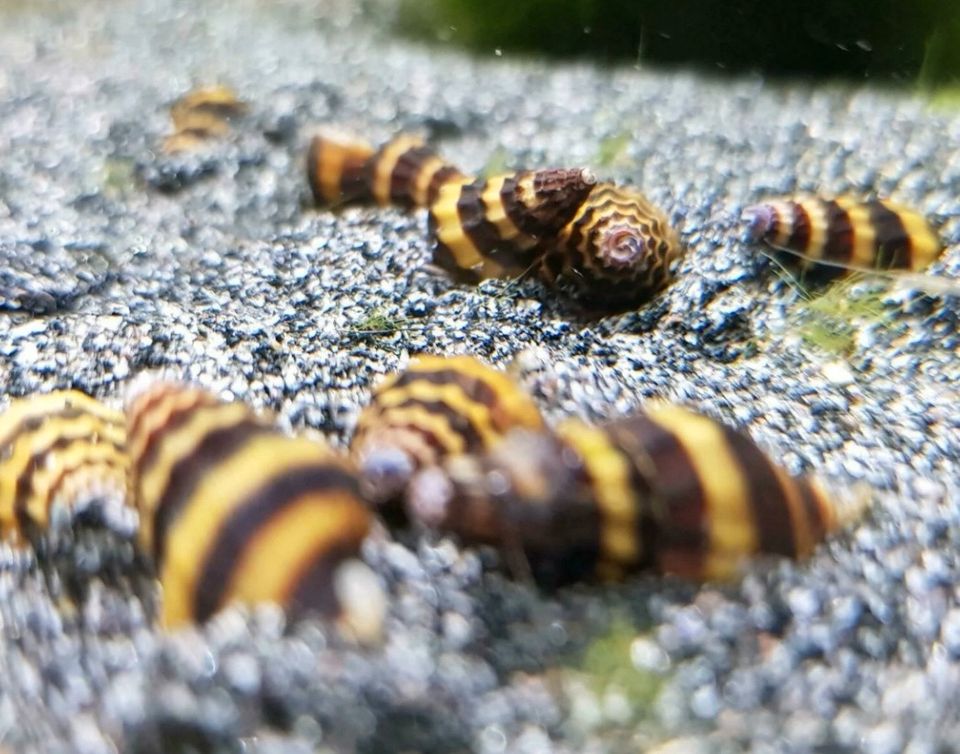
(607, 667)
(945, 97)
(497, 163)
(56, 8)
(830, 319)
(829, 334)
(612, 151)
(117, 177)
(379, 323)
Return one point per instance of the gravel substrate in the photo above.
(116, 259)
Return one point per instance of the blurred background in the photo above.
(897, 41)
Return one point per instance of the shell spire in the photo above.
(845, 234)
(618, 251)
(234, 511)
(541, 201)
(500, 226)
(667, 490)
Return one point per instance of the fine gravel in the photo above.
(117, 258)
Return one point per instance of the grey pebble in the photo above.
(117, 259)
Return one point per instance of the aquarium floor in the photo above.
(117, 258)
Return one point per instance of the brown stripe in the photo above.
(405, 173)
(186, 475)
(582, 225)
(558, 194)
(891, 240)
(427, 435)
(154, 441)
(514, 209)
(471, 212)
(143, 410)
(582, 528)
(341, 167)
(24, 483)
(800, 230)
(459, 423)
(474, 387)
(775, 222)
(313, 587)
(811, 508)
(591, 216)
(33, 423)
(677, 507)
(838, 240)
(313, 170)
(768, 499)
(198, 400)
(67, 472)
(627, 436)
(275, 495)
(355, 180)
(217, 109)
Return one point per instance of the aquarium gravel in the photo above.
(117, 258)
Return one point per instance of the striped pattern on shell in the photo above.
(845, 233)
(609, 243)
(60, 448)
(667, 490)
(436, 408)
(234, 511)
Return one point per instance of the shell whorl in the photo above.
(608, 241)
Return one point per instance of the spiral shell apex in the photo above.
(618, 251)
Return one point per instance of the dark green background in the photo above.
(895, 40)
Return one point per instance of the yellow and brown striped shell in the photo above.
(501, 226)
(437, 407)
(668, 490)
(846, 233)
(234, 511)
(60, 448)
(615, 248)
(404, 171)
(202, 114)
(618, 249)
